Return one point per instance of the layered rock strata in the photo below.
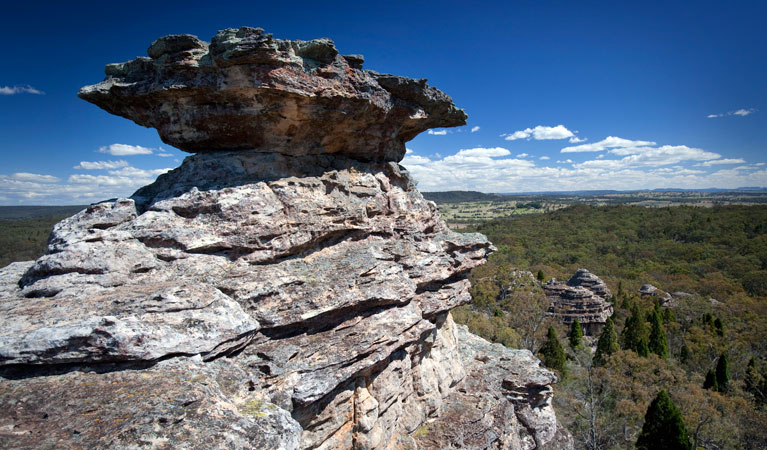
(285, 287)
(582, 298)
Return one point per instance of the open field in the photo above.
(463, 208)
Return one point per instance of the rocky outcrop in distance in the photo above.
(286, 287)
(582, 298)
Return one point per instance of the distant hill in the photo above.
(35, 212)
(461, 196)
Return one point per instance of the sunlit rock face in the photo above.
(285, 287)
(583, 297)
(248, 90)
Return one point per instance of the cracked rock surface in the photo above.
(274, 291)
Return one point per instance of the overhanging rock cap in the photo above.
(246, 90)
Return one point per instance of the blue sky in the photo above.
(560, 95)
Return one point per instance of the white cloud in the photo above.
(576, 140)
(125, 150)
(492, 170)
(722, 161)
(606, 143)
(414, 160)
(20, 89)
(437, 133)
(544, 158)
(101, 165)
(522, 155)
(742, 112)
(408, 151)
(650, 157)
(34, 177)
(138, 173)
(29, 188)
(540, 133)
(474, 129)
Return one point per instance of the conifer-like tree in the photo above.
(553, 353)
(719, 327)
(634, 332)
(663, 426)
(710, 382)
(684, 353)
(723, 373)
(541, 275)
(607, 343)
(658, 341)
(643, 349)
(576, 333)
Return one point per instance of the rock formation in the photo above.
(582, 297)
(663, 297)
(285, 287)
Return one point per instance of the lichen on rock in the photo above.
(287, 278)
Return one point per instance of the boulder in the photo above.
(248, 90)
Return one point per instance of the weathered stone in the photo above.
(663, 297)
(581, 298)
(127, 323)
(504, 401)
(247, 90)
(177, 404)
(287, 286)
(584, 278)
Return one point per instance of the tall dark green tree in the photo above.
(576, 333)
(658, 342)
(541, 276)
(663, 426)
(642, 348)
(684, 353)
(710, 382)
(635, 331)
(723, 373)
(607, 343)
(719, 327)
(553, 353)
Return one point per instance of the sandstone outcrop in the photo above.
(248, 90)
(285, 287)
(582, 297)
(663, 297)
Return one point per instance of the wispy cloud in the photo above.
(544, 158)
(437, 133)
(576, 140)
(475, 129)
(34, 177)
(101, 165)
(717, 162)
(739, 112)
(540, 133)
(125, 150)
(522, 155)
(607, 143)
(20, 89)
